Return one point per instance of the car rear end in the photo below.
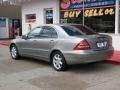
(88, 48)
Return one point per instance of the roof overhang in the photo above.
(13, 2)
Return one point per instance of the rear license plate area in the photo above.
(102, 44)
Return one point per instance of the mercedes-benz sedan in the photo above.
(63, 45)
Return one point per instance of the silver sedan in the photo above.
(63, 45)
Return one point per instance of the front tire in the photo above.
(14, 52)
(58, 61)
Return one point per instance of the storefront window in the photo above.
(68, 13)
(102, 20)
(69, 16)
(97, 14)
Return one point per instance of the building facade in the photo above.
(39, 12)
(101, 15)
(10, 16)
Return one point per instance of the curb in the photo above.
(5, 43)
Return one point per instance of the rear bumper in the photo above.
(77, 57)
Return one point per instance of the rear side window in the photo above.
(72, 31)
(48, 32)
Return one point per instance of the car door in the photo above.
(28, 45)
(48, 39)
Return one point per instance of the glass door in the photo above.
(48, 16)
(4, 33)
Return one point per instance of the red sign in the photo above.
(30, 18)
(75, 4)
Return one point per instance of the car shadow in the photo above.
(33, 60)
(79, 68)
(90, 68)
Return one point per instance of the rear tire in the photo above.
(14, 52)
(58, 61)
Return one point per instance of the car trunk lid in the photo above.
(98, 41)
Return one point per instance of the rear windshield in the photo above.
(72, 31)
(86, 30)
(77, 30)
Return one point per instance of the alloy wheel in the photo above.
(14, 52)
(58, 61)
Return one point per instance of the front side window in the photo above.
(35, 32)
(48, 32)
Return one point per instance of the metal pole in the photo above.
(117, 17)
(83, 13)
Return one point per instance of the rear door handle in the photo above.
(51, 43)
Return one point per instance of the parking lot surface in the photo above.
(31, 74)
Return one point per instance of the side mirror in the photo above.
(25, 37)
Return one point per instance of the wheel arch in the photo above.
(12, 45)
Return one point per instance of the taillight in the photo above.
(83, 45)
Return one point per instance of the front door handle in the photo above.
(35, 40)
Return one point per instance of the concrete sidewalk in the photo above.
(31, 74)
(20, 86)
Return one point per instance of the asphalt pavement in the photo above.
(31, 74)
